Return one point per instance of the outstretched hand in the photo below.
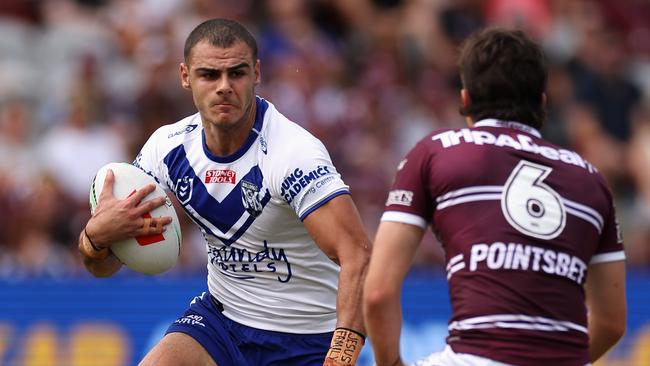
(115, 219)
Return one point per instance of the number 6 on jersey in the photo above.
(530, 205)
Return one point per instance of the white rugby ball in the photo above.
(151, 254)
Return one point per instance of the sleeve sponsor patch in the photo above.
(298, 180)
(400, 197)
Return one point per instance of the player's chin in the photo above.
(218, 116)
(223, 120)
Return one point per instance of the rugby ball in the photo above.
(151, 254)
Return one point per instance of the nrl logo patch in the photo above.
(184, 189)
(250, 196)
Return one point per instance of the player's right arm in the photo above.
(605, 291)
(115, 220)
(393, 251)
(100, 262)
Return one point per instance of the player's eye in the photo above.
(237, 73)
(210, 75)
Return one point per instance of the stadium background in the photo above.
(84, 82)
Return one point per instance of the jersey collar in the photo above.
(491, 122)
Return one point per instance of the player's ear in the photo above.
(466, 102)
(185, 75)
(258, 72)
(465, 99)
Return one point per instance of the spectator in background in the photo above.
(20, 165)
(29, 202)
(18, 173)
(607, 99)
(74, 150)
(639, 166)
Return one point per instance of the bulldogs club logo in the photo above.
(184, 189)
(250, 195)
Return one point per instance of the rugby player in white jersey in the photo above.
(286, 248)
(528, 228)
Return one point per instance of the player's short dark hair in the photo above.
(505, 74)
(221, 33)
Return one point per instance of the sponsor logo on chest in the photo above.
(245, 264)
(220, 176)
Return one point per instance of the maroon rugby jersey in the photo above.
(520, 220)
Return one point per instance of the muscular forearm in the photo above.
(349, 336)
(348, 301)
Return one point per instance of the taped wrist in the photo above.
(345, 347)
(89, 249)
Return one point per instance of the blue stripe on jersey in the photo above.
(261, 108)
(222, 215)
(247, 224)
(324, 201)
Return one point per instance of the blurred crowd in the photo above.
(84, 82)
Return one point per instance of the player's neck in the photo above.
(226, 141)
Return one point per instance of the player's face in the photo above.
(222, 81)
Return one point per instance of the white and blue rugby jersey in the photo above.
(262, 264)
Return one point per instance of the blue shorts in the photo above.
(233, 344)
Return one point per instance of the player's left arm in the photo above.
(605, 292)
(337, 229)
(393, 251)
(605, 285)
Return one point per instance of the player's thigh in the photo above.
(178, 349)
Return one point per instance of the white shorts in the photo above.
(450, 358)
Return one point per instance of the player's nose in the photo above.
(224, 86)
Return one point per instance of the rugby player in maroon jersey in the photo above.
(535, 260)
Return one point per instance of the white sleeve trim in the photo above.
(608, 257)
(405, 218)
